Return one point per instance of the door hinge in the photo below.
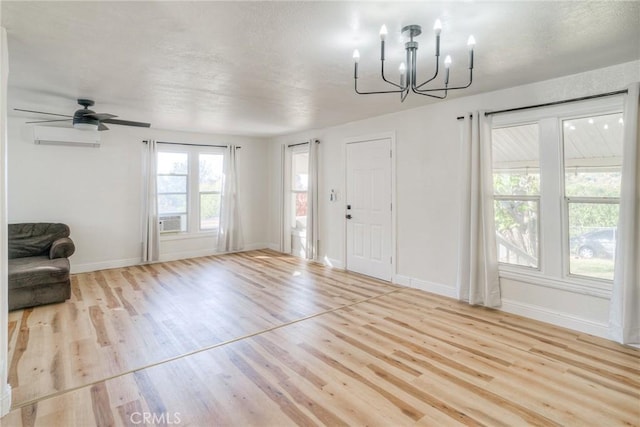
(390, 260)
(391, 206)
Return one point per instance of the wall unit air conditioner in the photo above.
(65, 136)
(171, 223)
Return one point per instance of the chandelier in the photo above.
(408, 71)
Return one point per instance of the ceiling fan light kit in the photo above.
(408, 81)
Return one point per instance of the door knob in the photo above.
(348, 216)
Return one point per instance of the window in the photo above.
(210, 189)
(295, 187)
(556, 182)
(189, 189)
(173, 186)
(299, 187)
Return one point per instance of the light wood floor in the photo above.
(265, 339)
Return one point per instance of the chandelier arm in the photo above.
(434, 75)
(403, 95)
(450, 88)
(431, 95)
(376, 92)
(355, 84)
(385, 79)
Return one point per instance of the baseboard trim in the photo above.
(434, 288)
(274, 247)
(556, 318)
(103, 265)
(333, 263)
(173, 256)
(5, 400)
(534, 312)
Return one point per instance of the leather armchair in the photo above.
(38, 264)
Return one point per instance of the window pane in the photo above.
(593, 156)
(592, 239)
(517, 232)
(299, 171)
(172, 184)
(172, 203)
(211, 172)
(173, 163)
(209, 211)
(299, 211)
(515, 156)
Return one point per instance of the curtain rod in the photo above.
(317, 141)
(194, 145)
(549, 104)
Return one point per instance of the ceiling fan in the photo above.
(87, 119)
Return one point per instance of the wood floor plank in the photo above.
(265, 339)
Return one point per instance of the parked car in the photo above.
(595, 244)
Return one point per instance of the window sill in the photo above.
(575, 285)
(187, 236)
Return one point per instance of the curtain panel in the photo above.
(150, 227)
(477, 279)
(312, 202)
(624, 312)
(230, 237)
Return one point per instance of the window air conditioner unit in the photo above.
(170, 223)
(65, 136)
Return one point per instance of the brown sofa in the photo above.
(38, 264)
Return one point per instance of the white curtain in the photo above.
(624, 313)
(150, 229)
(478, 281)
(312, 202)
(230, 237)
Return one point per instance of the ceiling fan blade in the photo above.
(48, 121)
(100, 116)
(102, 127)
(42, 112)
(126, 123)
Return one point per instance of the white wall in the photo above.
(5, 388)
(427, 191)
(97, 192)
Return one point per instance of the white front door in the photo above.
(368, 208)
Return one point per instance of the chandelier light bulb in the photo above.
(437, 27)
(383, 32)
(447, 61)
(356, 56)
(402, 68)
(471, 42)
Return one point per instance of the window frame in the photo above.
(193, 226)
(554, 262)
(186, 193)
(522, 197)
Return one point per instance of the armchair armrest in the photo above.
(62, 248)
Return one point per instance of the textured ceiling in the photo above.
(270, 68)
